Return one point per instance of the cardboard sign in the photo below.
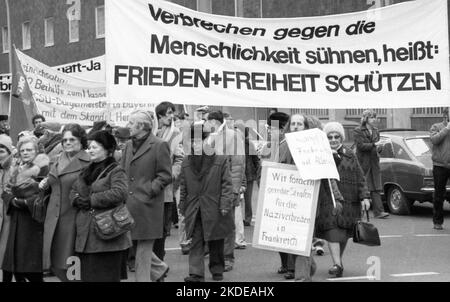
(286, 210)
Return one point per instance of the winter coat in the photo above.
(108, 191)
(149, 171)
(207, 196)
(23, 252)
(59, 226)
(440, 138)
(367, 154)
(4, 218)
(353, 188)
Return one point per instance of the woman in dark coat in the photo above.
(336, 224)
(23, 255)
(205, 201)
(101, 186)
(366, 138)
(59, 225)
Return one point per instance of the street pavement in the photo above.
(411, 251)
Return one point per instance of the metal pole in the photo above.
(8, 23)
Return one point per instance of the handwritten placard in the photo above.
(286, 210)
(312, 154)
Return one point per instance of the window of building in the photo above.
(49, 33)
(74, 31)
(100, 22)
(26, 35)
(5, 40)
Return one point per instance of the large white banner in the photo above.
(396, 56)
(286, 210)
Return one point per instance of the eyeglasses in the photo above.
(334, 136)
(72, 140)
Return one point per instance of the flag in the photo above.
(22, 105)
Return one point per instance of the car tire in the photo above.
(397, 202)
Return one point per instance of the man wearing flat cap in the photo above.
(146, 160)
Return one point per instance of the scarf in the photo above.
(338, 156)
(138, 142)
(92, 172)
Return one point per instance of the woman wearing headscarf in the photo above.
(336, 224)
(367, 151)
(23, 254)
(206, 201)
(100, 186)
(59, 226)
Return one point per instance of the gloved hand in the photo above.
(223, 212)
(19, 203)
(83, 203)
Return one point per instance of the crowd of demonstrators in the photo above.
(367, 137)
(166, 170)
(440, 139)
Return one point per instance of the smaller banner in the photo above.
(286, 210)
(312, 154)
(64, 98)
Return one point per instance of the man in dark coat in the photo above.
(146, 160)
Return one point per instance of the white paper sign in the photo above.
(286, 210)
(312, 154)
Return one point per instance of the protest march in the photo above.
(273, 140)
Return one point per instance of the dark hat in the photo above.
(3, 117)
(122, 133)
(105, 139)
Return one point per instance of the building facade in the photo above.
(57, 32)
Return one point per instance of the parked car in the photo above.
(406, 169)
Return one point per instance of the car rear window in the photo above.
(419, 146)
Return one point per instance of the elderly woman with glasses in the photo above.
(23, 254)
(335, 224)
(59, 227)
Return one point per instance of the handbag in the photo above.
(113, 223)
(366, 233)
